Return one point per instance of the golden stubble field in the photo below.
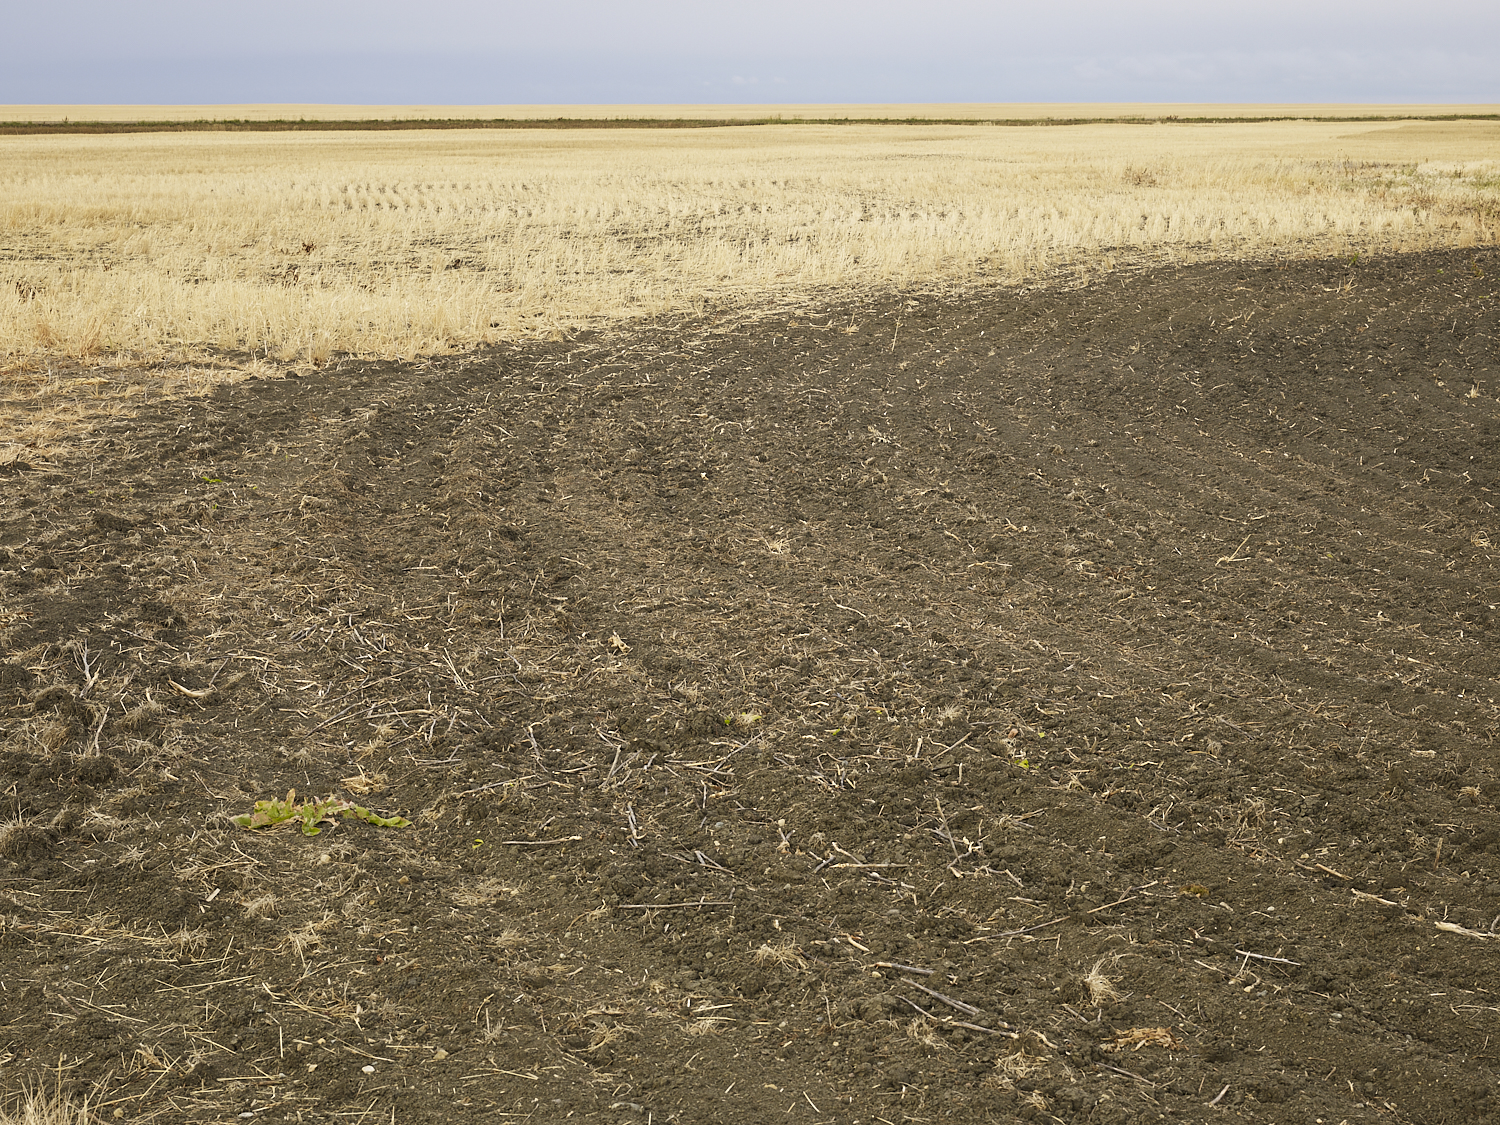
(205, 253)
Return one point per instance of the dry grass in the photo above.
(47, 400)
(1019, 1064)
(920, 1030)
(35, 1107)
(179, 250)
(262, 906)
(1137, 1037)
(1099, 985)
(784, 955)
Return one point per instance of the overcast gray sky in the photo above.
(595, 51)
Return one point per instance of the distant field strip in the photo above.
(935, 111)
(297, 246)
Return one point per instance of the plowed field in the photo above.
(1067, 706)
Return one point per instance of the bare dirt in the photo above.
(1059, 706)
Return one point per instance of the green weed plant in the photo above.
(268, 814)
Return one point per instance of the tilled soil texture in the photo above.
(1065, 706)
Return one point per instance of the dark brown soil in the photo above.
(792, 716)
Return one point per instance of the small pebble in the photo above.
(368, 1069)
(439, 1055)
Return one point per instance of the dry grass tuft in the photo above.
(1036, 1100)
(377, 742)
(1020, 1065)
(1137, 1037)
(309, 935)
(921, 1031)
(778, 546)
(1101, 988)
(262, 906)
(186, 942)
(141, 716)
(1032, 1054)
(782, 955)
(1011, 1068)
(36, 1108)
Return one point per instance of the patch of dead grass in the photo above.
(782, 955)
(38, 1108)
(46, 407)
(1101, 988)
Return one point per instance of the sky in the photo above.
(470, 52)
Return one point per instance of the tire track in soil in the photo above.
(793, 713)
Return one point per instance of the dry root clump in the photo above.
(1138, 1037)
(783, 955)
(1101, 988)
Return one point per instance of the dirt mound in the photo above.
(1067, 706)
